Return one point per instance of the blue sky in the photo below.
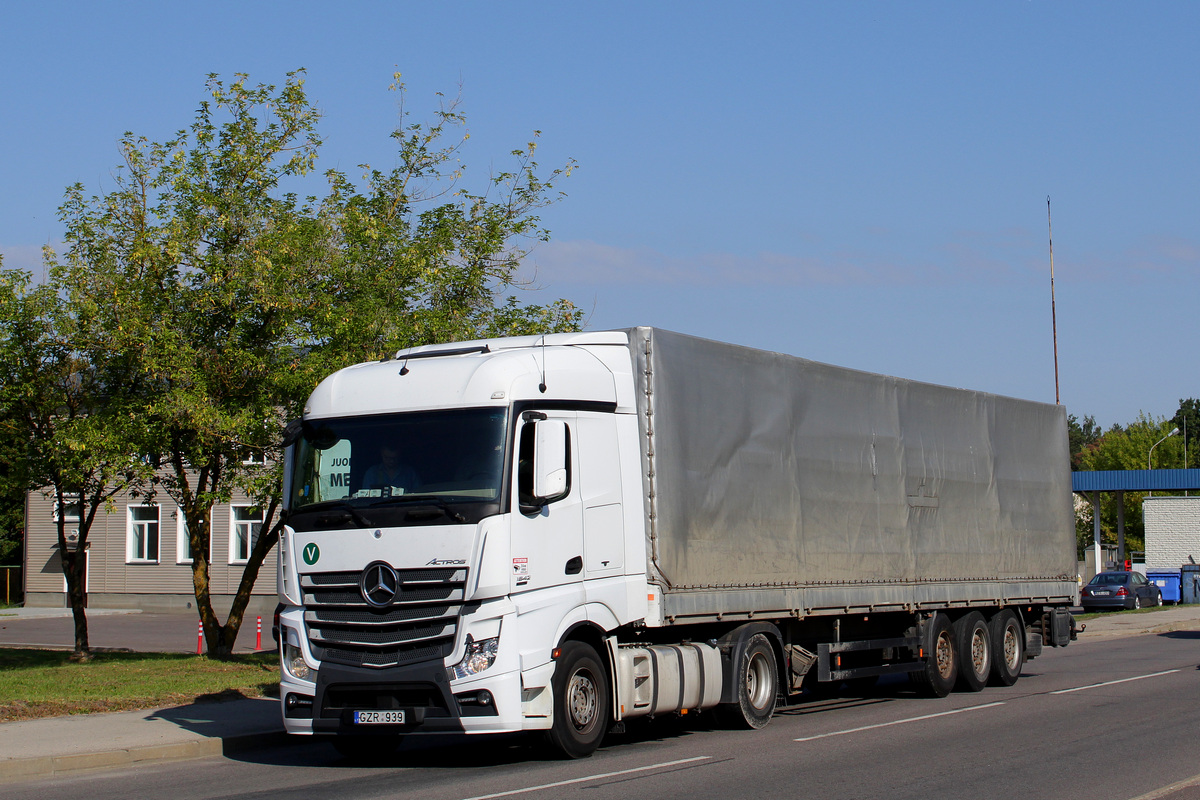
(859, 183)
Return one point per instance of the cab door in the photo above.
(547, 537)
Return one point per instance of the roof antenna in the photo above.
(404, 366)
(542, 385)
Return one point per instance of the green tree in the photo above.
(70, 416)
(1128, 448)
(230, 298)
(1081, 435)
(1187, 420)
(12, 487)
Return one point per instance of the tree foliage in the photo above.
(1127, 448)
(219, 298)
(71, 420)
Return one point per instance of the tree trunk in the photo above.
(74, 567)
(250, 574)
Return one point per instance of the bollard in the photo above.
(258, 636)
(199, 636)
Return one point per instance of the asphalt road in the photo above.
(1104, 719)
(117, 630)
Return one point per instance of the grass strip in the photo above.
(45, 683)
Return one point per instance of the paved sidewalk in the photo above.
(41, 747)
(62, 744)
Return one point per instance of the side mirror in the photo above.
(551, 461)
(544, 471)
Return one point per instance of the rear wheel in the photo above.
(941, 659)
(1008, 648)
(581, 702)
(757, 684)
(974, 644)
(1137, 601)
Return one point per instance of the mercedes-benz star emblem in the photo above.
(379, 585)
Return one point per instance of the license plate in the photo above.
(378, 717)
(1100, 594)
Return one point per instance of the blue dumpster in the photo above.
(1168, 580)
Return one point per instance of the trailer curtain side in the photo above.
(777, 483)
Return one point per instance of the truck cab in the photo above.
(454, 514)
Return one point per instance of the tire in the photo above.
(581, 702)
(941, 659)
(366, 749)
(756, 679)
(1137, 601)
(974, 643)
(1008, 648)
(1158, 600)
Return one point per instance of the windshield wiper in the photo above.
(418, 500)
(329, 505)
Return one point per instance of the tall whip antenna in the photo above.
(1053, 316)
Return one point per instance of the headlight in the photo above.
(293, 656)
(480, 655)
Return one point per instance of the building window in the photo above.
(143, 534)
(245, 524)
(183, 544)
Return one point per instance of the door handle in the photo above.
(575, 565)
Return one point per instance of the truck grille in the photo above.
(419, 625)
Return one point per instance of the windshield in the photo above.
(398, 469)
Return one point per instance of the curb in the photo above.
(41, 766)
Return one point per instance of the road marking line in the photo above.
(1110, 683)
(589, 778)
(1170, 790)
(897, 722)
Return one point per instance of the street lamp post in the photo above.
(1150, 455)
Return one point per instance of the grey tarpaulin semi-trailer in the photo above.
(778, 486)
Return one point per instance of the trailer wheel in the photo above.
(941, 660)
(974, 642)
(581, 702)
(1008, 648)
(757, 684)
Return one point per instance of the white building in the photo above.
(138, 556)
(1172, 531)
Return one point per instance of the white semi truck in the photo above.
(561, 533)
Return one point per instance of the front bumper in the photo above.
(431, 702)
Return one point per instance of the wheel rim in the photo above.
(944, 653)
(1011, 648)
(758, 681)
(582, 700)
(979, 651)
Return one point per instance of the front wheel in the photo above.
(581, 701)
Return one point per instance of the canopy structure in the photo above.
(1091, 484)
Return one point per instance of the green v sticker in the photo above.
(311, 554)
